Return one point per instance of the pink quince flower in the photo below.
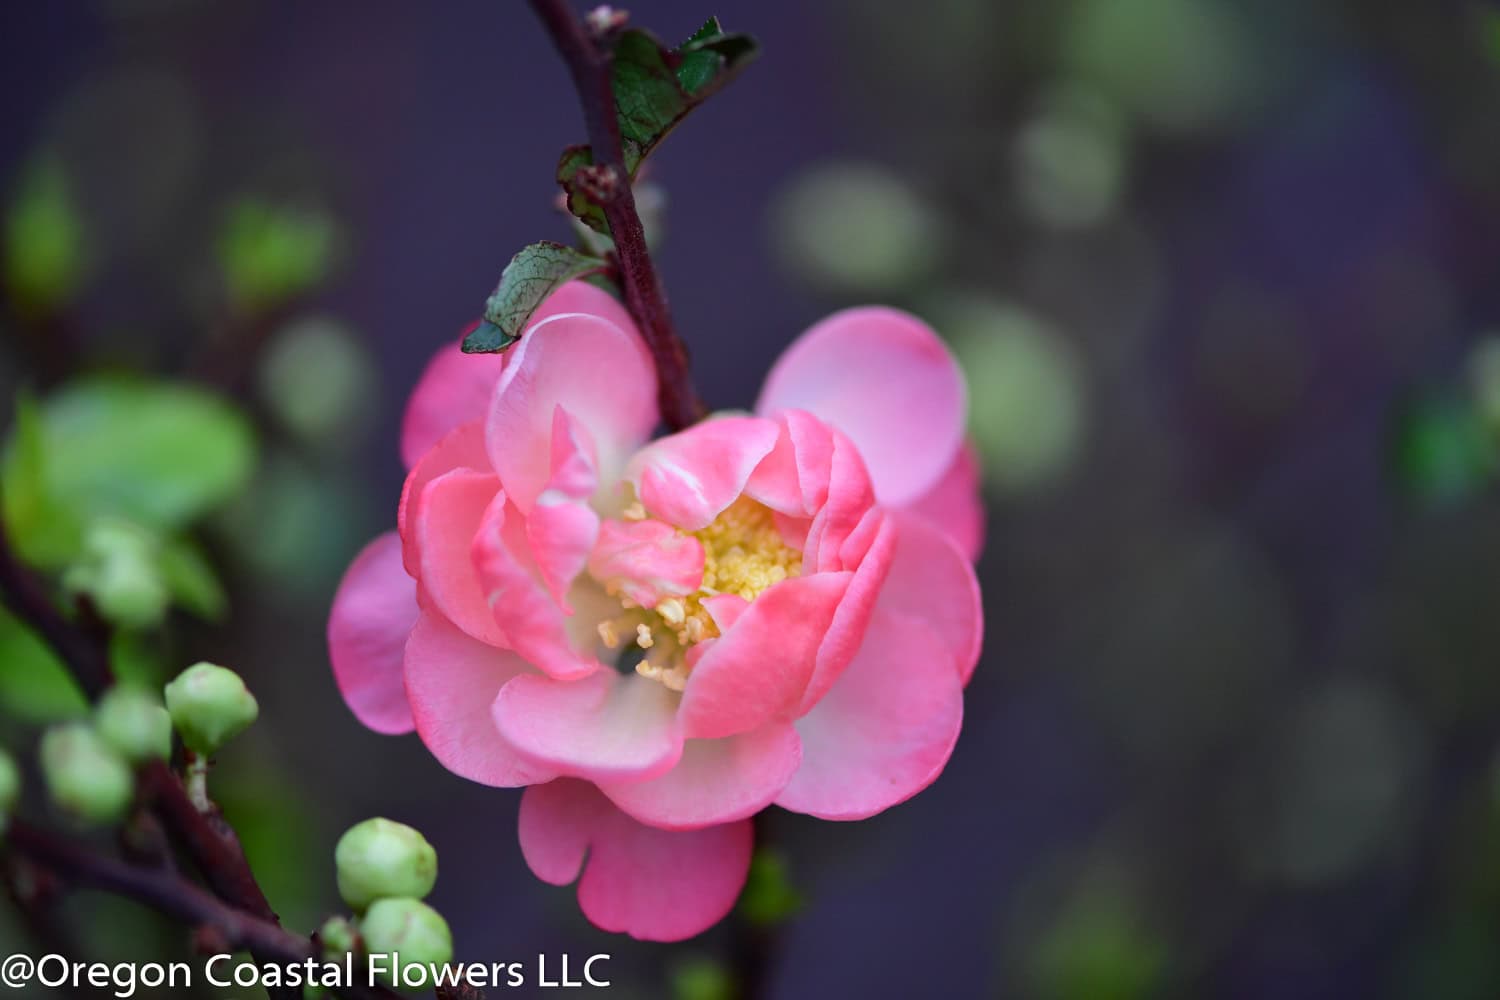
(661, 638)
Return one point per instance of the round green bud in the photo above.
(338, 937)
(381, 858)
(85, 776)
(135, 724)
(10, 786)
(209, 706)
(409, 927)
(120, 574)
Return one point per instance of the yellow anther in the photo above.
(643, 637)
(609, 635)
(635, 512)
(672, 611)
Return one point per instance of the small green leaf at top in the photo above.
(532, 275)
(655, 87)
(769, 897)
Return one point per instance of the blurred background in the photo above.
(1223, 278)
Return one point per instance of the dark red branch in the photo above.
(74, 864)
(589, 64)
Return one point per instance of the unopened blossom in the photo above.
(660, 638)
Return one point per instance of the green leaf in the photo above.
(769, 896)
(34, 685)
(655, 88)
(191, 580)
(44, 256)
(44, 530)
(156, 453)
(528, 279)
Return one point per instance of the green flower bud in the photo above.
(119, 572)
(338, 936)
(209, 706)
(409, 927)
(10, 787)
(380, 858)
(85, 776)
(135, 724)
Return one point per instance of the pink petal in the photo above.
(793, 478)
(954, 505)
(655, 885)
(885, 730)
(847, 630)
(452, 681)
(603, 727)
(596, 371)
(758, 670)
(850, 497)
(373, 611)
(932, 582)
(688, 479)
(528, 615)
(885, 379)
(716, 781)
(561, 535)
(648, 560)
(456, 387)
(447, 519)
(462, 448)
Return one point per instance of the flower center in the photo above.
(743, 554)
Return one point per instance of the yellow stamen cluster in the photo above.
(743, 554)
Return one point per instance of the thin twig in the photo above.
(86, 657)
(589, 64)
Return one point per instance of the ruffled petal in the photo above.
(597, 372)
(793, 478)
(655, 885)
(688, 478)
(603, 727)
(955, 505)
(373, 612)
(456, 387)
(528, 615)
(850, 497)
(716, 781)
(885, 730)
(932, 582)
(647, 560)
(452, 680)
(446, 521)
(875, 540)
(462, 448)
(885, 379)
(757, 671)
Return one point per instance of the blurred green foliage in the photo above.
(770, 896)
(701, 978)
(271, 253)
(44, 239)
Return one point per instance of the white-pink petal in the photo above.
(599, 373)
(689, 478)
(603, 727)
